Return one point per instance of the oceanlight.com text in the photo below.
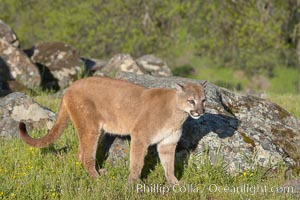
(250, 189)
(213, 188)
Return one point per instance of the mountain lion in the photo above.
(150, 116)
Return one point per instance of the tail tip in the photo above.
(22, 127)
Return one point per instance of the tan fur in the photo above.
(149, 116)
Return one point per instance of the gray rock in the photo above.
(147, 64)
(17, 66)
(17, 107)
(154, 65)
(113, 148)
(93, 64)
(121, 62)
(8, 34)
(241, 131)
(59, 63)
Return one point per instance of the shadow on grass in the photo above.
(58, 152)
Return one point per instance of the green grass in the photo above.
(55, 173)
(283, 80)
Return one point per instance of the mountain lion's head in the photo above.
(191, 98)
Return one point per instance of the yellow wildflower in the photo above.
(199, 186)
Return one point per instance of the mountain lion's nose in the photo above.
(200, 111)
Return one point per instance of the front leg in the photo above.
(166, 151)
(167, 156)
(138, 149)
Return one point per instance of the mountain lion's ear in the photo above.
(179, 87)
(204, 84)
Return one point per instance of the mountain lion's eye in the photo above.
(192, 102)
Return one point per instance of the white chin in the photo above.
(195, 117)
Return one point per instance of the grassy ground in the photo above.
(54, 173)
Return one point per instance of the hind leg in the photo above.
(86, 120)
(89, 135)
(88, 145)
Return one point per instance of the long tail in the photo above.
(56, 131)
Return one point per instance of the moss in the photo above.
(286, 133)
(230, 108)
(284, 140)
(247, 139)
(291, 149)
(16, 86)
(282, 112)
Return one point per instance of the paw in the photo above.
(132, 180)
(102, 171)
(173, 181)
(93, 173)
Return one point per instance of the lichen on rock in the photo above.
(17, 107)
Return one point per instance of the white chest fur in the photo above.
(167, 137)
